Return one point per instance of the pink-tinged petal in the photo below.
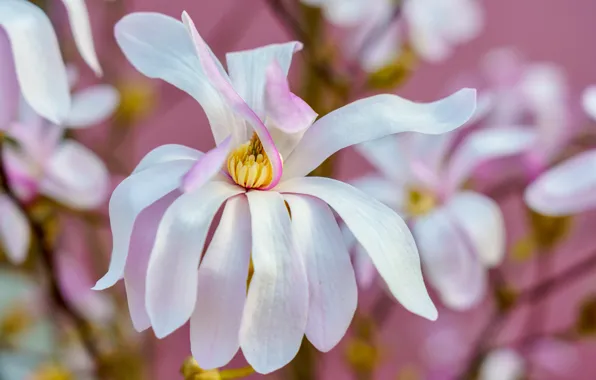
(14, 231)
(75, 176)
(132, 196)
(450, 264)
(568, 188)
(589, 101)
(75, 281)
(172, 273)
(215, 323)
(247, 70)
(483, 146)
(383, 234)
(92, 106)
(389, 155)
(502, 364)
(276, 309)
(39, 66)
(159, 47)
(141, 244)
(364, 268)
(234, 101)
(389, 193)
(9, 90)
(482, 220)
(167, 153)
(372, 118)
(333, 294)
(78, 16)
(207, 167)
(555, 357)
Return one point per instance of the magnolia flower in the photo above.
(273, 216)
(459, 233)
(567, 188)
(44, 163)
(434, 27)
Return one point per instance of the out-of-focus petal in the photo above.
(389, 156)
(215, 323)
(247, 70)
(172, 273)
(390, 193)
(9, 90)
(276, 310)
(92, 106)
(502, 364)
(482, 220)
(568, 188)
(333, 294)
(372, 118)
(342, 12)
(207, 166)
(37, 60)
(132, 196)
(75, 176)
(589, 101)
(449, 261)
(364, 269)
(159, 46)
(78, 17)
(485, 145)
(381, 232)
(14, 231)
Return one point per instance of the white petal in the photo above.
(159, 46)
(482, 220)
(78, 17)
(387, 155)
(333, 295)
(75, 176)
(39, 66)
(364, 269)
(247, 70)
(9, 90)
(450, 263)
(485, 145)
(568, 188)
(131, 197)
(92, 106)
(344, 12)
(589, 101)
(502, 364)
(276, 310)
(173, 266)
(167, 153)
(390, 193)
(372, 118)
(381, 232)
(215, 323)
(14, 231)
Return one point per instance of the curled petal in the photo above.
(167, 153)
(81, 30)
(207, 166)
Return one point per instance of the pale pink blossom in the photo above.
(303, 281)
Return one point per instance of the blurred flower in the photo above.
(273, 214)
(379, 28)
(502, 364)
(568, 188)
(459, 233)
(45, 163)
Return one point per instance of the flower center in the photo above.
(419, 201)
(249, 166)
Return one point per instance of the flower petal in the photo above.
(159, 47)
(173, 266)
(247, 70)
(276, 310)
(132, 196)
(75, 176)
(381, 232)
(589, 101)
(141, 244)
(92, 106)
(333, 294)
(388, 156)
(449, 261)
(78, 17)
(167, 153)
(215, 323)
(482, 220)
(39, 66)
(568, 188)
(502, 364)
(485, 145)
(207, 166)
(372, 118)
(389, 193)
(9, 90)
(234, 101)
(14, 231)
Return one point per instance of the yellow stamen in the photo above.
(249, 165)
(419, 202)
(52, 372)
